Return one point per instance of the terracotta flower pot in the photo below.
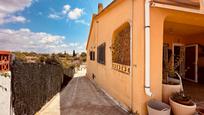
(158, 108)
(180, 109)
(168, 90)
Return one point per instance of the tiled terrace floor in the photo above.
(195, 90)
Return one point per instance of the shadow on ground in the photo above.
(82, 97)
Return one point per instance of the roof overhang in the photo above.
(178, 8)
(195, 4)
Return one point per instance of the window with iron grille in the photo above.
(101, 53)
(92, 55)
(121, 45)
(121, 49)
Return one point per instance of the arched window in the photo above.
(121, 48)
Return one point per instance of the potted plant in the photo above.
(156, 107)
(182, 104)
(170, 84)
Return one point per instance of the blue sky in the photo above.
(46, 25)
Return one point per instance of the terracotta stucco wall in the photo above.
(158, 37)
(156, 33)
(194, 39)
(185, 40)
(171, 39)
(118, 84)
(91, 65)
(115, 83)
(158, 17)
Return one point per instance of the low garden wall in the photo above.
(5, 93)
(34, 84)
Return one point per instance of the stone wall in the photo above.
(34, 84)
(5, 93)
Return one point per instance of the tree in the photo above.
(74, 54)
(83, 57)
(83, 54)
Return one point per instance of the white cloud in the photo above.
(9, 7)
(26, 40)
(82, 22)
(54, 16)
(73, 44)
(71, 14)
(13, 19)
(75, 14)
(66, 9)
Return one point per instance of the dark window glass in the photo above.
(101, 53)
(92, 55)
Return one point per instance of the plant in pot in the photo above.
(170, 83)
(182, 104)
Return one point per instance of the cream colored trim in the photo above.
(159, 5)
(202, 5)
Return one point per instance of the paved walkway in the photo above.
(81, 97)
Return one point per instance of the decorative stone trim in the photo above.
(121, 68)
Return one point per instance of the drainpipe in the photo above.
(147, 48)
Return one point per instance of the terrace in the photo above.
(183, 37)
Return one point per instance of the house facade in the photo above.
(125, 45)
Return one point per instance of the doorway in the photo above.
(191, 57)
